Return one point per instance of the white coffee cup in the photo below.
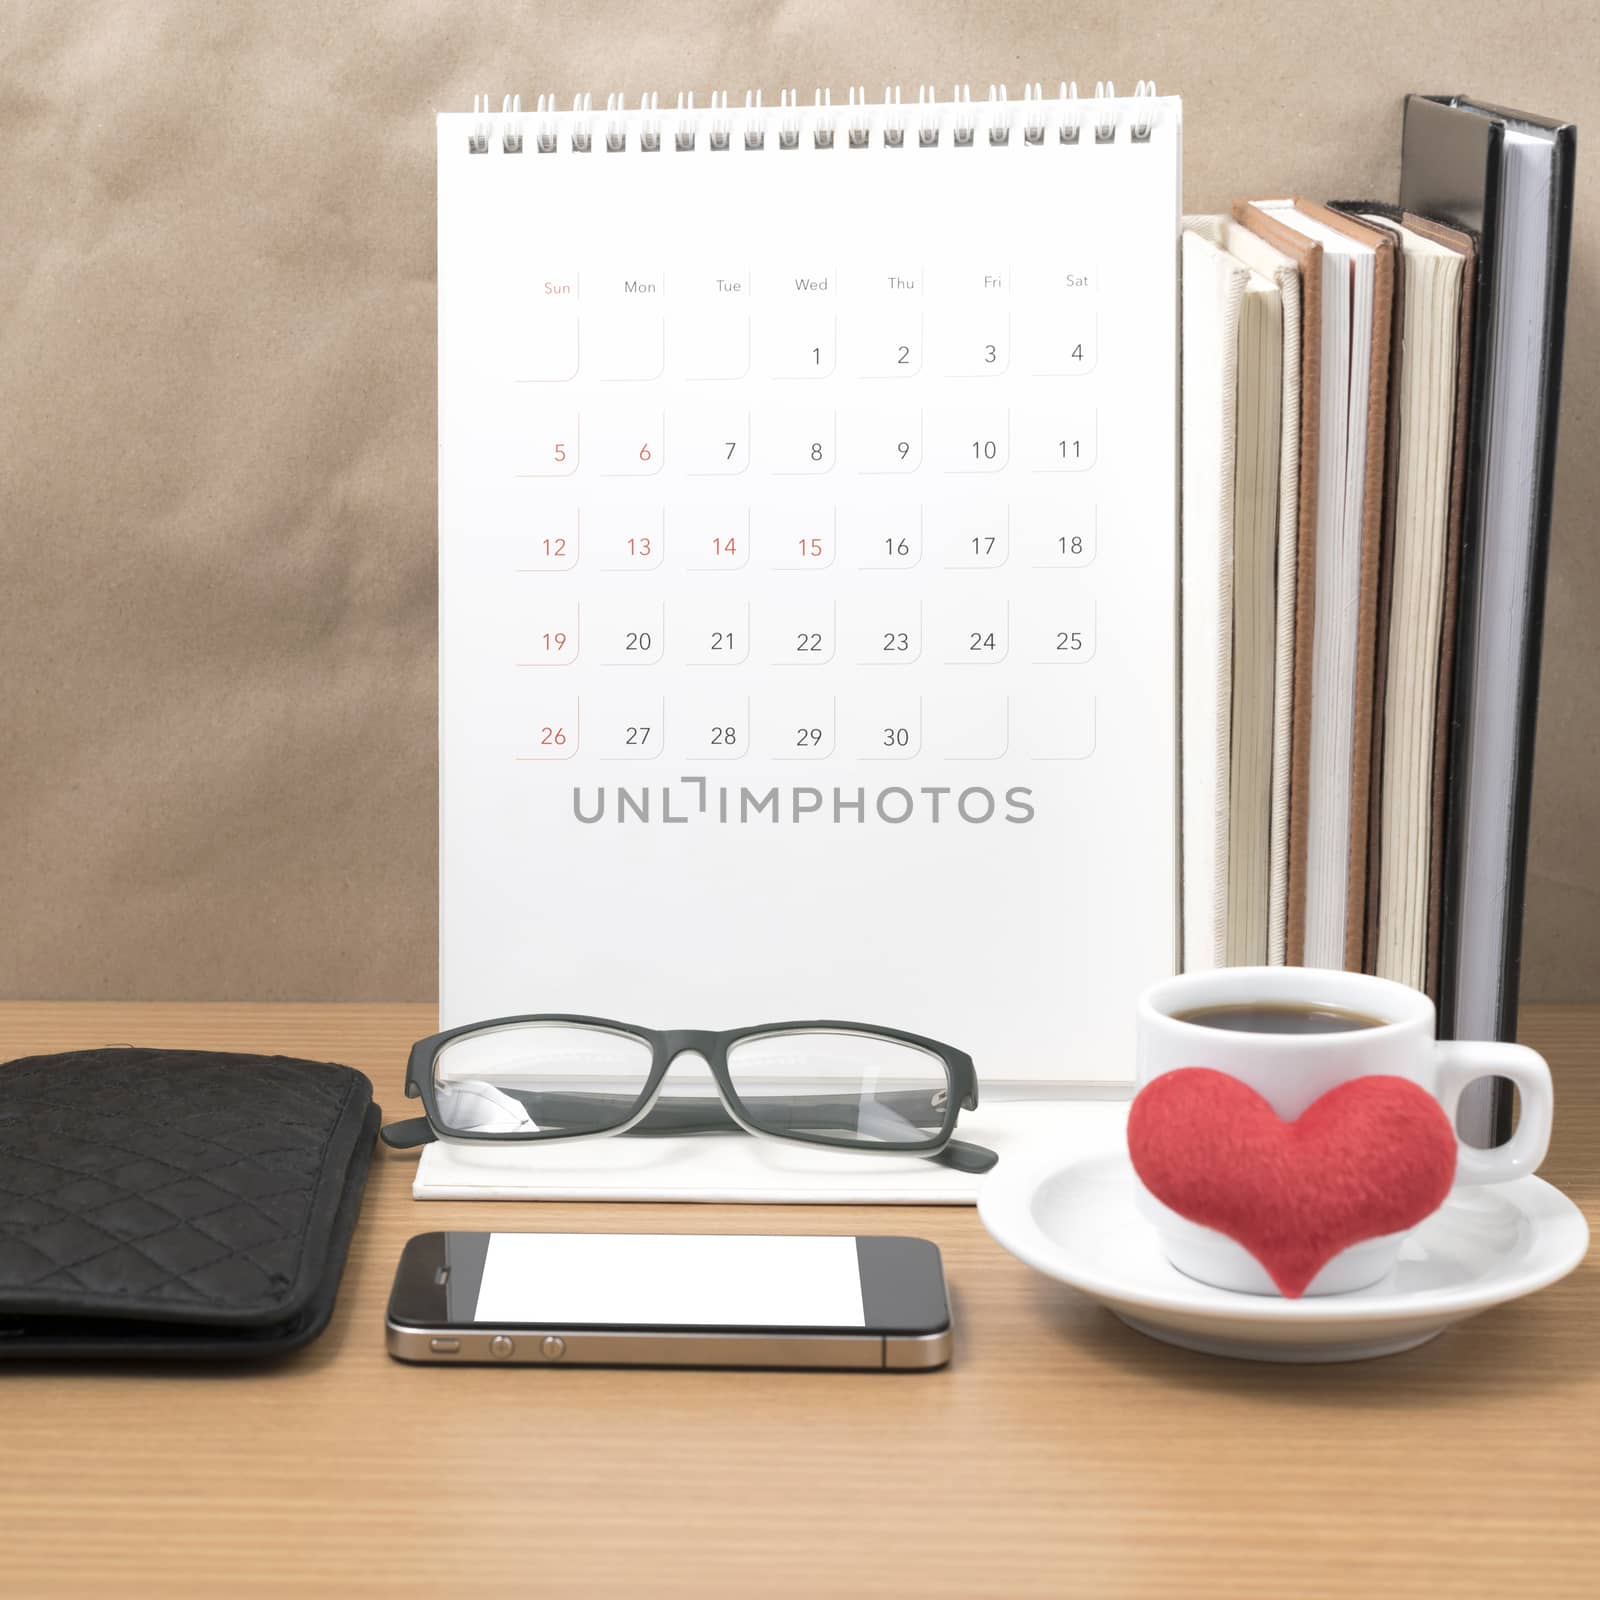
(1290, 1071)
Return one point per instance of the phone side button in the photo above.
(444, 1347)
(500, 1347)
(552, 1348)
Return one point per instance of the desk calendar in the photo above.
(807, 527)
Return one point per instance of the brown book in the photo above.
(1403, 902)
(1317, 931)
(1364, 213)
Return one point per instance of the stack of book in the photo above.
(1369, 401)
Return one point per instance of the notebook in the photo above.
(1444, 697)
(1394, 441)
(1428, 414)
(808, 485)
(1282, 271)
(1233, 416)
(1296, 589)
(1507, 177)
(1356, 271)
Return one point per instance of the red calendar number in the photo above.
(552, 736)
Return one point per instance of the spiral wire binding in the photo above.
(860, 124)
(961, 133)
(788, 119)
(894, 122)
(991, 121)
(822, 136)
(582, 123)
(999, 116)
(478, 133)
(511, 124)
(721, 129)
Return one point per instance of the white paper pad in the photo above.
(737, 1168)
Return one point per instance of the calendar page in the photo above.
(807, 538)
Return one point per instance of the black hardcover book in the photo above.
(1507, 177)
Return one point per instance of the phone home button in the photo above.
(500, 1347)
(552, 1348)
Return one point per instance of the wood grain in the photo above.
(1060, 1453)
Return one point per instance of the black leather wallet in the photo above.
(175, 1204)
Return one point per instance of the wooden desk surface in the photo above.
(1059, 1454)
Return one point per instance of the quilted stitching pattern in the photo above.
(166, 1182)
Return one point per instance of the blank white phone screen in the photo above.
(671, 1280)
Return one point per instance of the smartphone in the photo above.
(672, 1300)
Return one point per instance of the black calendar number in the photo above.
(984, 449)
(637, 736)
(722, 641)
(989, 355)
(808, 643)
(904, 357)
(1071, 449)
(982, 641)
(983, 544)
(724, 736)
(808, 738)
(896, 547)
(895, 643)
(816, 451)
(1070, 642)
(1072, 546)
(896, 738)
(904, 447)
(637, 641)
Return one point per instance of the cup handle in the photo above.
(1461, 1062)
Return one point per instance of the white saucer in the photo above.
(1078, 1222)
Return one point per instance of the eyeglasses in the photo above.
(839, 1084)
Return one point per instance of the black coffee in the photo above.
(1260, 1017)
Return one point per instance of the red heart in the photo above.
(1372, 1156)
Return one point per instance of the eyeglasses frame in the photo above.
(712, 1046)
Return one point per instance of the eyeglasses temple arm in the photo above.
(407, 1135)
(964, 1157)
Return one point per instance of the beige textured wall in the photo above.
(217, 768)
